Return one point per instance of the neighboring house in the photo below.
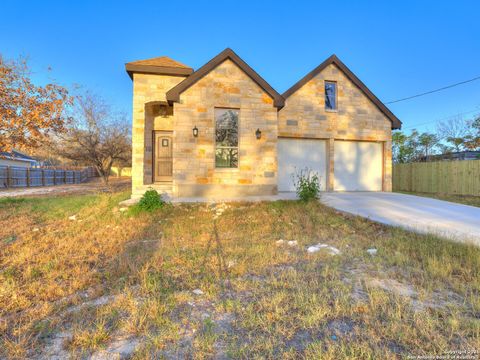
(17, 159)
(223, 131)
(457, 155)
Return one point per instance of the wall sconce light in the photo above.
(195, 131)
(258, 134)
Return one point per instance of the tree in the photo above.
(97, 136)
(402, 149)
(453, 131)
(427, 142)
(28, 113)
(472, 140)
(413, 147)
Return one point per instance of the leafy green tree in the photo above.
(427, 143)
(472, 140)
(402, 149)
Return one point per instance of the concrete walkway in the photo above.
(454, 221)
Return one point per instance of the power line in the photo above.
(434, 91)
(444, 118)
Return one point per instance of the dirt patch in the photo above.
(94, 185)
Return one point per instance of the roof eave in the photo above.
(157, 70)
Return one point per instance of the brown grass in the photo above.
(260, 300)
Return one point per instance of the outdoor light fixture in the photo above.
(258, 134)
(195, 131)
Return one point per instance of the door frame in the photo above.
(154, 133)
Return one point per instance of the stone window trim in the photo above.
(334, 110)
(226, 169)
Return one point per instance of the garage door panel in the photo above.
(297, 154)
(358, 166)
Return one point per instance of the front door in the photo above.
(162, 163)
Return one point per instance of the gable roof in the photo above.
(17, 155)
(396, 123)
(162, 65)
(173, 95)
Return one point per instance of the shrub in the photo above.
(151, 201)
(307, 184)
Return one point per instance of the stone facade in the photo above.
(357, 118)
(194, 172)
(148, 92)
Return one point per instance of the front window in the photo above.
(226, 138)
(330, 95)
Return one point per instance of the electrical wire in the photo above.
(434, 91)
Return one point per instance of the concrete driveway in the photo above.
(454, 221)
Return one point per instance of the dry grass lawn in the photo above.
(114, 282)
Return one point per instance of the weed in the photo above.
(307, 184)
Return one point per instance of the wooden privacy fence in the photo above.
(445, 177)
(11, 176)
(118, 171)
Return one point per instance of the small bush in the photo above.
(307, 184)
(151, 201)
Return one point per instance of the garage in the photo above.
(300, 154)
(358, 166)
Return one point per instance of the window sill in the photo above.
(227, 169)
(331, 111)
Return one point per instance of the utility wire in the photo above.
(433, 91)
(444, 118)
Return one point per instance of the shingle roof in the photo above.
(164, 61)
(162, 65)
(16, 155)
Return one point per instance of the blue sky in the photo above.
(397, 48)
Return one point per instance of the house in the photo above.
(17, 159)
(456, 155)
(222, 130)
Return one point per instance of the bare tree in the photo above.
(97, 136)
(453, 131)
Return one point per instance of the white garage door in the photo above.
(358, 166)
(299, 154)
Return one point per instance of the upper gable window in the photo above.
(226, 138)
(330, 95)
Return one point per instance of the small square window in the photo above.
(330, 95)
(165, 142)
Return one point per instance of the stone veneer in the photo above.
(194, 172)
(148, 91)
(357, 118)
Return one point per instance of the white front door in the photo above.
(298, 154)
(358, 166)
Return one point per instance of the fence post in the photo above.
(43, 177)
(8, 176)
(65, 176)
(27, 174)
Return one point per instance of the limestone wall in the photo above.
(356, 118)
